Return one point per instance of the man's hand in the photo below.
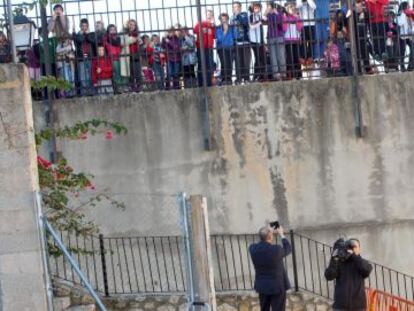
(280, 232)
(98, 70)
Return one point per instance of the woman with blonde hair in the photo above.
(130, 59)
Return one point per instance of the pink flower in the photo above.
(43, 162)
(83, 136)
(108, 135)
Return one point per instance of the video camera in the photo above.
(340, 249)
(275, 225)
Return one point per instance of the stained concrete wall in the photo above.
(21, 271)
(284, 151)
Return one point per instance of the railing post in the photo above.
(103, 260)
(295, 265)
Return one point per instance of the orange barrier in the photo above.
(381, 301)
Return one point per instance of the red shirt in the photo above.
(209, 31)
(105, 63)
(133, 48)
(376, 10)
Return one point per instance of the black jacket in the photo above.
(349, 286)
(271, 277)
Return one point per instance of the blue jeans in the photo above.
(322, 36)
(84, 77)
(66, 73)
(174, 74)
(209, 67)
(159, 75)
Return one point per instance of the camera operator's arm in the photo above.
(364, 267)
(332, 272)
(287, 248)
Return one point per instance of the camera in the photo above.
(275, 225)
(341, 248)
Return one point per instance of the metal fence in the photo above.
(295, 40)
(145, 265)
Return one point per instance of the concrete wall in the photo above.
(21, 270)
(284, 151)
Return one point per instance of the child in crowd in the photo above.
(256, 35)
(65, 65)
(147, 55)
(85, 51)
(158, 61)
(391, 62)
(339, 31)
(5, 52)
(102, 72)
(406, 30)
(172, 46)
(189, 56)
(112, 43)
(331, 58)
(276, 31)
(294, 27)
(131, 59)
(225, 48)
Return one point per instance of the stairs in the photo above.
(70, 298)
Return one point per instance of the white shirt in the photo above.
(307, 11)
(255, 29)
(405, 24)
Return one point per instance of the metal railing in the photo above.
(379, 43)
(148, 265)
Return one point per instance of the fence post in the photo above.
(103, 261)
(295, 265)
(203, 278)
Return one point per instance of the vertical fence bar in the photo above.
(295, 265)
(103, 261)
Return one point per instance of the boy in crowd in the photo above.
(240, 21)
(159, 61)
(85, 51)
(112, 43)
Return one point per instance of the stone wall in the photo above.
(70, 297)
(284, 151)
(21, 271)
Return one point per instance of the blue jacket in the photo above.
(241, 27)
(271, 276)
(225, 40)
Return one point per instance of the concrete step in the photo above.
(82, 308)
(61, 303)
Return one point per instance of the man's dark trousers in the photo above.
(277, 302)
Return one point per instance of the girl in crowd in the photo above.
(340, 33)
(276, 31)
(65, 65)
(189, 56)
(130, 60)
(331, 58)
(102, 72)
(147, 54)
(225, 48)
(256, 36)
(5, 52)
(172, 46)
(112, 43)
(292, 41)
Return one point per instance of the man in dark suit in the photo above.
(271, 278)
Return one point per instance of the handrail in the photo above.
(73, 263)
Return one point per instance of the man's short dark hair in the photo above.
(84, 21)
(237, 2)
(57, 6)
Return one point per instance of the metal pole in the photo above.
(74, 265)
(204, 103)
(48, 69)
(187, 244)
(11, 31)
(103, 261)
(45, 255)
(295, 266)
(354, 57)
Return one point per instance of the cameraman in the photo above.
(271, 279)
(349, 271)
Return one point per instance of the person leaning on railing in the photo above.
(349, 275)
(271, 281)
(5, 51)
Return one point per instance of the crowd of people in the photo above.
(290, 41)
